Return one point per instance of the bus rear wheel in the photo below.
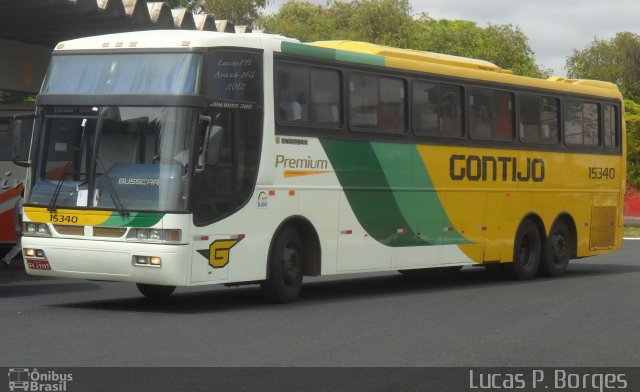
(557, 250)
(285, 270)
(527, 252)
(154, 291)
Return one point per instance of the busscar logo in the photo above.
(32, 380)
(139, 181)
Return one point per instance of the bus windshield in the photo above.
(132, 73)
(114, 157)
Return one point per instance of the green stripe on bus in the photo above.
(133, 219)
(414, 193)
(331, 54)
(391, 193)
(369, 194)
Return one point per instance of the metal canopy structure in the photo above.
(30, 29)
(47, 22)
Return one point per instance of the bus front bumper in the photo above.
(103, 260)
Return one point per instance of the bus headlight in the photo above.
(36, 253)
(155, 235)
(36, 229)
(147, 261)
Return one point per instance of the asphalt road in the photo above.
(590, 317)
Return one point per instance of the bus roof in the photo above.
(163, 39)
(349, 51)
(467, 68)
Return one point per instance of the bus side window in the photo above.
(392, 107)
(491, 114)
(581, 123)
(292, 94)
(437, 109)
(363, 101)
(480, 114)
(325, 93)
(5, 140)
(503, 121)
(610, 126)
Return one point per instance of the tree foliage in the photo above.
(240, 12)
(616, 60)
(632, 119)
(390, 22)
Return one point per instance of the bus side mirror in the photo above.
(22, 129)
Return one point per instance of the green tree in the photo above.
(237, 11)
(390, 22)
(240, 12)
(616, 60)
(504, 45)
(385, 22)
(632, 119)
(191, 5)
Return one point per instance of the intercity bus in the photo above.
(11, 175)
(191, 158)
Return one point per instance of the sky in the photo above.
(554, 27)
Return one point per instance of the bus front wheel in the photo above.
(154, 291)
(527, 252)
(285, 270)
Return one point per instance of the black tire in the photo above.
(155, 292)
(557, 250)
(285, 269)
(527, 252)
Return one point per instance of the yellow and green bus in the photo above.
(191, 158)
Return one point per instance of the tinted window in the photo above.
(363, 101)
(133, 73)
(5, 140)
(233, 75)
(292, 94)
(377, 103)
(308, 95)
(538, 119)
(581, 123)
(437, 109)
(325, 93)
(610, 126)
(491, 114)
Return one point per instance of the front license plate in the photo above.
(39, 264)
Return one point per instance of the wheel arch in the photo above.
(535, 218)
(311, 249)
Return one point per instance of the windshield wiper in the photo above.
(112, 190)
(65, 172)
(56, 191)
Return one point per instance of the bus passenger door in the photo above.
(464, 239)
